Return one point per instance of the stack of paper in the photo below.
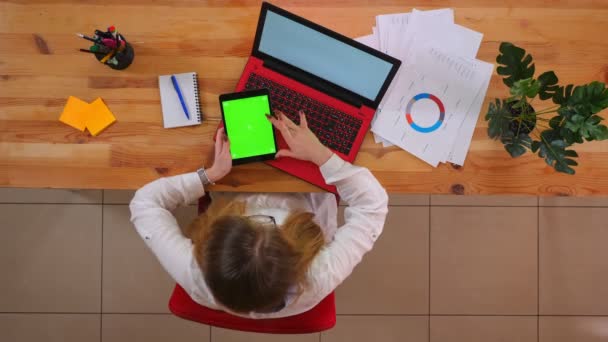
(432, 105)
(94, 116)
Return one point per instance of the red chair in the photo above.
(319, 318)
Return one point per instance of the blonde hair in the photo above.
(247, 266)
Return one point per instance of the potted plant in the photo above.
(522, 124)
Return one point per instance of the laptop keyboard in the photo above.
(335, 129)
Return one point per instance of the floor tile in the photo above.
(50, 257)
(396, 270)
(133, 279)
(378, 328)
(21, 195)
(121, 197)
(483, 329)
(118, 196)
(224, 335)
(573, 261)
(49, 327)
(152, 328)
(566, 201)
(405, 199)
(483, 260)
(485, 200)
(568, 329)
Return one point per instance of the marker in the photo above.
(115, 33)
(112, 29)
(99, 48)
(89, 51)
(103, 34)
(109, 42)
(86, 37)
(179, 94)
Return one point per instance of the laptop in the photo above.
(336, 81)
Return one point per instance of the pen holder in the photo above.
(121, 59)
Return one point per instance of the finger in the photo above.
(290, 124)
(224, 134)
(303, 122)
(285, 153)
(272, 118)
(219, 140)
(219, 133)
(280, 125)
(226, 148)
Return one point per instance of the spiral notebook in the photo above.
(173, 113)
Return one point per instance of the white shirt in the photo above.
(345, 246)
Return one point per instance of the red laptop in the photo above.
(335, 80)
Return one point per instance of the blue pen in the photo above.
(179, 94)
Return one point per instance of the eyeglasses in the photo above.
(263, 219)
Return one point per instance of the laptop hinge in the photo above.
(312, 82)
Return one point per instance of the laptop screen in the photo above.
(324, 56)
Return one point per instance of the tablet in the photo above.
(250, 133)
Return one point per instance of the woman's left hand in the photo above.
(222, 162)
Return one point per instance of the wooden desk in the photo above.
(40, 67)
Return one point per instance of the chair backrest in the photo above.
(319, 318)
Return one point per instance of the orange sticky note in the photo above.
(75, 113)
(98, 117)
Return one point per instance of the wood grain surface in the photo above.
(40, 66)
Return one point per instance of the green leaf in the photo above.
(571, 153)
(558, 143)
(588, 128)
(535, 146)
(516, 145)
(566, 112)
(600, 132)
(570, 137)
(515, 150)
(555, 122)
(516, 103)
(555, 154)
(595, 119)
(498, 118)
(564, 168)
(548, 85)
(515, 64)
(588, 99)
(562, 94)
(549, 135)
(527, 87)
(597, 132)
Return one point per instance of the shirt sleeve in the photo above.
(364, 220)
(151, 214)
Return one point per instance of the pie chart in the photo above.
(425, 129)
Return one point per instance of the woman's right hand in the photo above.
(302, 142)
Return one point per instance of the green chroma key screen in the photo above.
(249, 130)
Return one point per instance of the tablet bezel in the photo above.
(245, 95)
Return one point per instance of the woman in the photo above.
(263, 255)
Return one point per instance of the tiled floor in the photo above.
(445, 269)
